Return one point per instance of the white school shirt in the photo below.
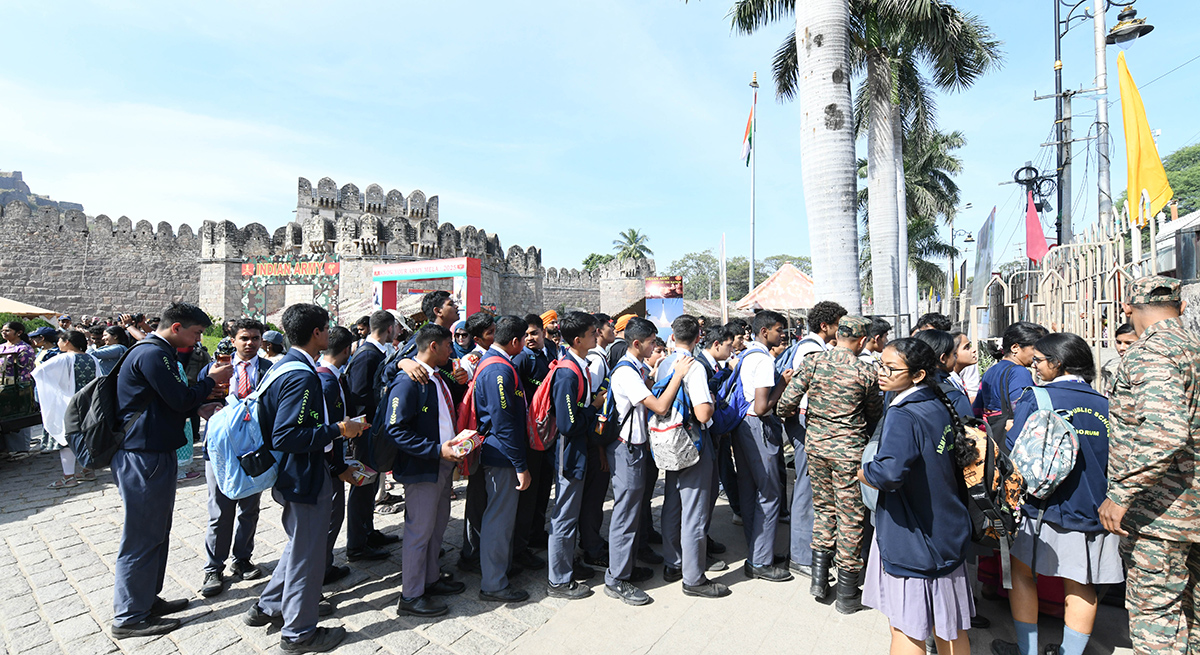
(597, 366)
(695, 381)
(469, 366)
(629, 390)
(324, 407)
(758, 371)
(904, 394)
(445, 424)
(584, 366)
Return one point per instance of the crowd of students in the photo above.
(876, 514)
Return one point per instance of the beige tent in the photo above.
(788, 288)
(10, 306)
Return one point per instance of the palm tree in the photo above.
(632, 245)
(818, 69)
(891, 39)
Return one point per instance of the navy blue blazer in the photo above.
(574, 418)
(532, 366)
(1075, 503)
(412, 422)
(150, 380)
(922, 523)
(360, 376)
(331, 387)
(291, 414)
(501, 409)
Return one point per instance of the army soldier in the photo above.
(1153, 494)
(843, 399)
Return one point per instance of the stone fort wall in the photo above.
(58, 257)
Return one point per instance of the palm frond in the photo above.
(747, 16)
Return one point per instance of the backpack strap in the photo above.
(567, 361)
(275, 373)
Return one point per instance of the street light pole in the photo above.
(1104, 201)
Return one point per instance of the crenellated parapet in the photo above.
(49, 221)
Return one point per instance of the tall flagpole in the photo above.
(753, 147)
(724, 295)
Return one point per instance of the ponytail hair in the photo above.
(918, 356)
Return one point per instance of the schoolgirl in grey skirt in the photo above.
(916, 574)
(1071, 544)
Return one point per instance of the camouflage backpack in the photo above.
(1044, 453)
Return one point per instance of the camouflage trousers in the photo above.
(838, 512)
(1162, 595)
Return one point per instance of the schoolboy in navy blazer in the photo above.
(413, 424)
(500, 406)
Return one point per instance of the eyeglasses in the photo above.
(1038, 360)
(887, 371)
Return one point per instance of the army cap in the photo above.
(1142, 291)
(853, 327)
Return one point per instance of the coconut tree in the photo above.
(631, 244)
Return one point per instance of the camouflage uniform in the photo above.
(843, 400)
(1155, 412)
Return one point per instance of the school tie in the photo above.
(243, 388)
(441, 385)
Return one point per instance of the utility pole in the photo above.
(1064, 168)
(1104, 200)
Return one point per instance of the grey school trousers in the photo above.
(496, 527)
(146, 482)
(294, 590)
(222, 530)
(426, 514)
(628, 465)
(756, 444)
(686, 508)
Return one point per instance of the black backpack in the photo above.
(91, 419)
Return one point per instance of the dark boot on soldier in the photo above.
(849, 596)
(821, 560)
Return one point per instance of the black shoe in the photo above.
(508, 594)
(647, 555)
(849, 596)
(714, 564)
(582, 572)
(571, 590)
(323, 640)
(800, 569)
(641, 574)
(528, 560)
(715, 547)
(769, 573)
(245, 570)
(390, 499)
(367, 553)
(444, 588)
(1001, 647)
(378, 539)
(469, 565)
(422, 606)
(706, 589)
(672, 574)
(148, 628)
(626, 593)
(655, 537)
(325, 608)
(214, 583)
(599, 561)
(256, 618)
(982, 623)
(335, 573)
(819, 587)
(163, 607)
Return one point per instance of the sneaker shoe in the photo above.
(148, 628)
(163, 607)
(324, 607)
(769, 573)
(422, 606)
(571, 590)
(445, 587)
(715, 547)
(246, 570)
(322, 641)
(646, 554)
(214, 583)
(641, 574)
(706, 589)
(527, 560)
(508, 594)
(714, 564)
(672, 574)
(626, 593)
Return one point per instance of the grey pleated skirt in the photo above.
(1085, 557)
(920, 607)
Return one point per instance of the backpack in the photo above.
(784, 361)
(469, 420)
(670, 437)
(997, 422)
(1044, 454)
(733, 406)
(608, 424)
(241, 462)
(91, 418)
(541, 406)
(993, 491)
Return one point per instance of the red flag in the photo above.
(1035, 239)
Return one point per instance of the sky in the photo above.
(552, 124)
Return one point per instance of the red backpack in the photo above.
(541, 407)
(468, 420)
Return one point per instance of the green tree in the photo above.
(596, 260)
(769, 265)
(631, 244)
(701, 273)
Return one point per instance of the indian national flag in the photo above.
(747, 141)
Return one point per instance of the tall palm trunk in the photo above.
(901, 211)
(827, 162)
(881, 180)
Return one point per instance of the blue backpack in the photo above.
(784, 361)
(241, 463)
(608, 424)
(731, 405)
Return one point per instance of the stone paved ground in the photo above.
(57, 550)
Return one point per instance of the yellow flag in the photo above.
(1141, 155)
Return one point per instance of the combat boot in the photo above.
(821, 560)
(848, 593)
